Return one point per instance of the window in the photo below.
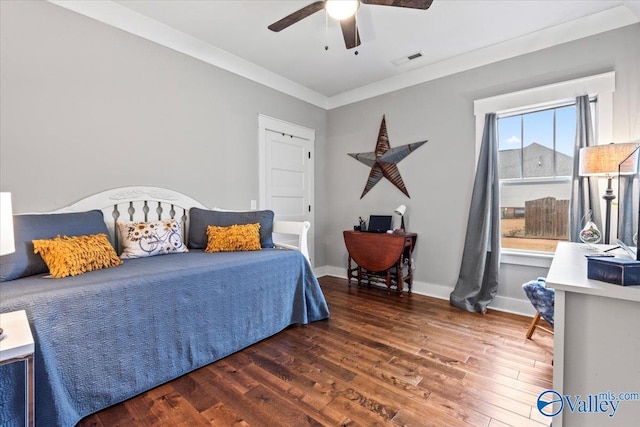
(535, 163)
(539, 115)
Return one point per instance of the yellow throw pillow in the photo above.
(70, 256)
(233, 238)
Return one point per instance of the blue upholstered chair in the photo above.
(542, 299)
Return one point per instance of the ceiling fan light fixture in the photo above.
(341, 9)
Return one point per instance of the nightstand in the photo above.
(17, 346)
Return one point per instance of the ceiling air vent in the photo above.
(408, 58)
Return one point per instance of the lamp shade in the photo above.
(603, 160)
(630, 164)
(400, 210)
(7, 244)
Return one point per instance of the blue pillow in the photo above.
(24, 262)
(200, 219)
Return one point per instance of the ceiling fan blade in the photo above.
(350, 32)
(296, 16)
(412, 4)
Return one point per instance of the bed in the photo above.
(110, 334)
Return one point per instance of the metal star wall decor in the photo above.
(384, 160)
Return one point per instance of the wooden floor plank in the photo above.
(380, 360)
(221, 416)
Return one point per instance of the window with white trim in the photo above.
(539, 99)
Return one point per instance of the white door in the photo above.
(286, 172)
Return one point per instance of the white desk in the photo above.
(17, 346)
(597, 339)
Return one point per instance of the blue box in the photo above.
(621, 271)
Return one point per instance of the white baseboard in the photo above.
(325, 271)
(333, 271)
(513, 305)
(500, 303)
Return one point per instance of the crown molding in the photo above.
(135, 23)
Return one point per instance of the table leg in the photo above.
(29, 399)
(410, 273)
(388, 282)
(349, 271)
(399, 278)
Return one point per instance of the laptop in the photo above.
(379, 223)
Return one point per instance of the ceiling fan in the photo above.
(345, 12)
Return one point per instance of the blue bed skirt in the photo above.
(105, 336)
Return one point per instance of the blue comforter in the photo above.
(105, 336)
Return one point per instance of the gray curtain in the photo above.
(584, 190)
(478, 280)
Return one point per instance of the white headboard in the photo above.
(141, 203)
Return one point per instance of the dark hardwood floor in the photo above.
(380, 360)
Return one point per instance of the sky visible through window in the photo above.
(538, 127)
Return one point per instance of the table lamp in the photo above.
(400, 210)
(7, 244)
(603, 161)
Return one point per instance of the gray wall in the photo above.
(439, 176)
(87, 107)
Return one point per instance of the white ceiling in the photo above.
(453, 35)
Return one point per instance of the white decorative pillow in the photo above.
(143, 239)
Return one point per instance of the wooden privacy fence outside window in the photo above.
(546, 218)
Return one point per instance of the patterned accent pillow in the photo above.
(233, 238)
(70, 256)
(143, 239)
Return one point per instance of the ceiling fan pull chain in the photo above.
(355, 33)
(326, 30)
